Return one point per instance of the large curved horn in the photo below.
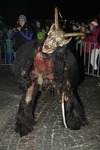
(65, 41)
(51, 28)
(74, 34)
(56, 18)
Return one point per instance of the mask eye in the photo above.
(56, 41)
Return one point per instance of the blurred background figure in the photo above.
(21, 33)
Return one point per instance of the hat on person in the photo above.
(22, 17)
(94, 23)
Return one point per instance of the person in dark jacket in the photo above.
(21, 33)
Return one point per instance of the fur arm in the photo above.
(24, 82)
(66, 67)
(23, 64)
(72, 69)
(24, 58)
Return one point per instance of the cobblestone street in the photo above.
(48, 133)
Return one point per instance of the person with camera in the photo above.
(21, 33)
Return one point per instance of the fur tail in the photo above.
(74, 113)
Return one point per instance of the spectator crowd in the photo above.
(24, 31)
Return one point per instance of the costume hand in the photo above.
(24, 82)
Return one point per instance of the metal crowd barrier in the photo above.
(89, 57)
(6, 52)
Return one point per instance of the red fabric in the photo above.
(91, 38)
(86, 46)
(44, 66)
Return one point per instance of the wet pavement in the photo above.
(48, 133)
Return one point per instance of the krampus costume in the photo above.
(48, 65)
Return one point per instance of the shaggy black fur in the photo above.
(25, 118)
(24, 123)
(65, 70)
(74, 111)
(24, 56)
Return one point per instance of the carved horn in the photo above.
(56, 18)
(51, 28)
(56, 24)
(74, 34)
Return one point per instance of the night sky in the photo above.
(44, 9)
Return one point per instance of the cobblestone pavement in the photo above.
(48, 133)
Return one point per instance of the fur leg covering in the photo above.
(74, 113)
(24, 118)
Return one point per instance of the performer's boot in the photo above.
(25, 118)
